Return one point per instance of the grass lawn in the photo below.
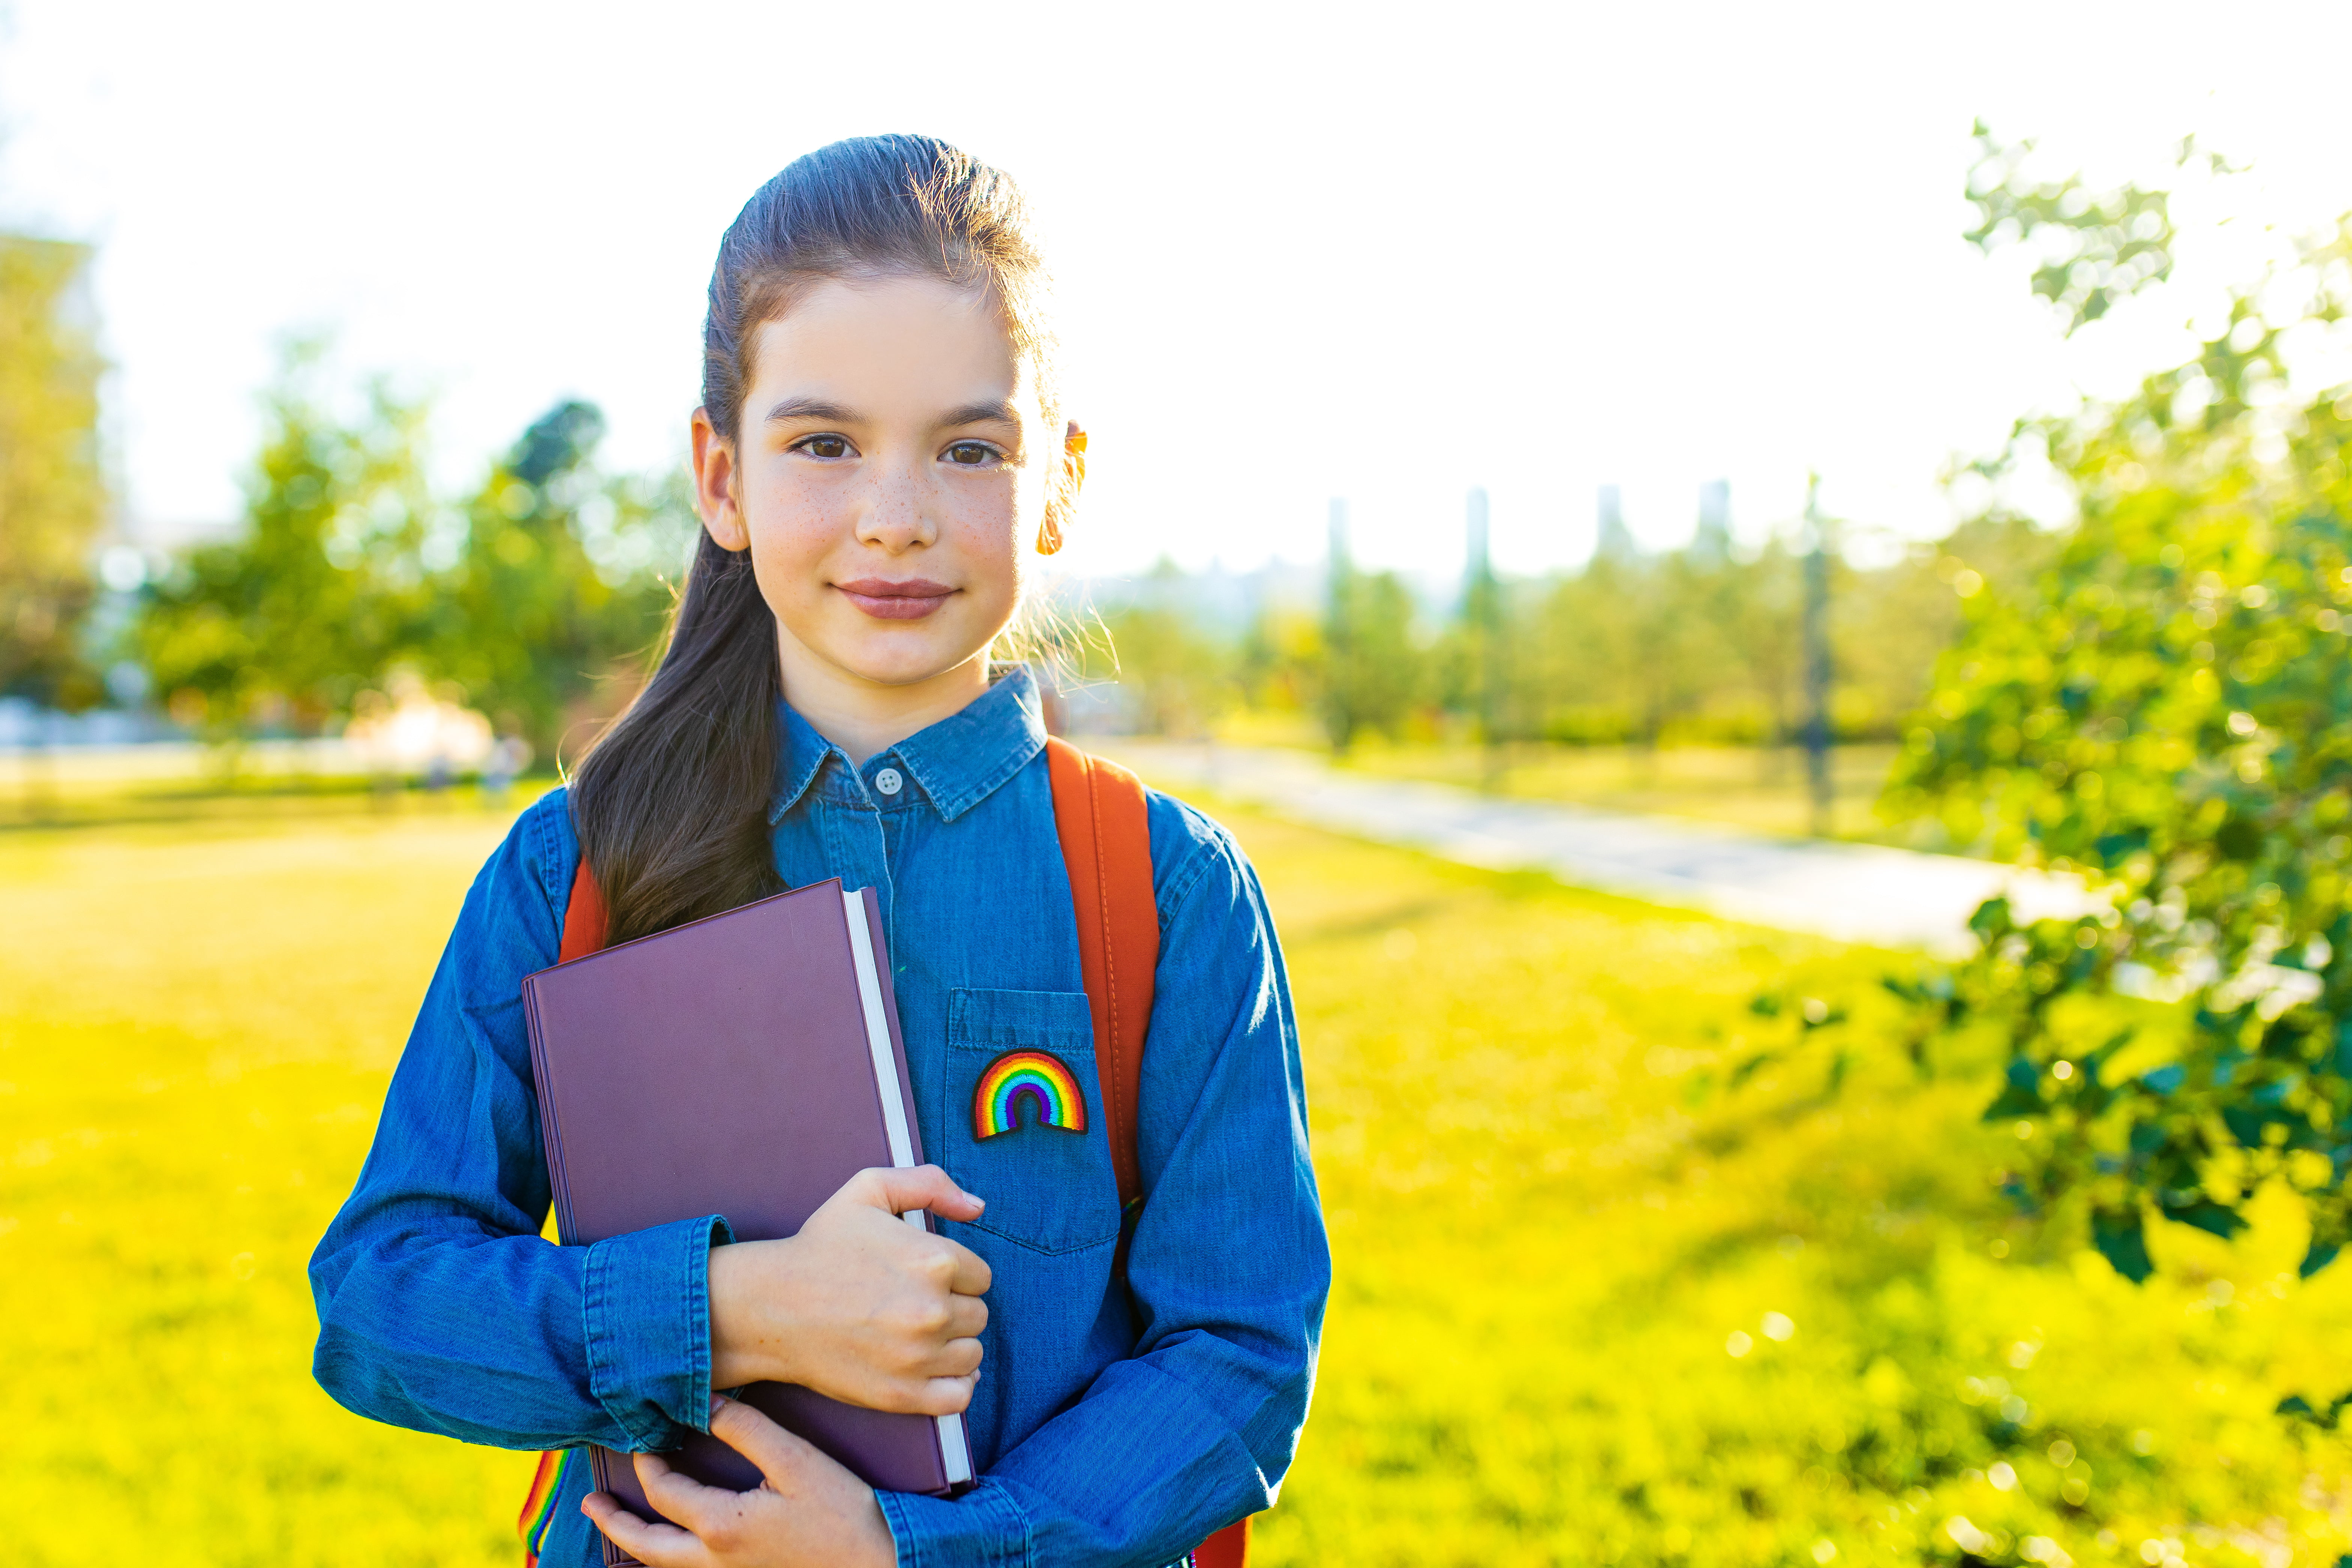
(1592, 1305)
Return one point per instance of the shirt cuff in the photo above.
(645, 1308)
(983, 1529)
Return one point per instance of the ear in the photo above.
(718, 486)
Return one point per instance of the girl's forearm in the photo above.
(438, 1325)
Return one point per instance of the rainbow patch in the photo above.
(1037, 1077)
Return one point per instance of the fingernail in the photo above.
(718, 1403)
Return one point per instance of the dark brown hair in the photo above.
(671, 803)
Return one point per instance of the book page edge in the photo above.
(886, 1087)
(955, 1450)
(955, 1453)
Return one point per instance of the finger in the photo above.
(916, 1187)
(652, 1542)
(677, 1496)
(946, 1395)
(967, 1316)
(785, 1458)
(971, 1275)
(957, 1358)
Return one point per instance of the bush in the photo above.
(2169, 714)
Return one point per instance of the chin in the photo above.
(902, 667)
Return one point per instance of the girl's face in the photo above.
(889, 478)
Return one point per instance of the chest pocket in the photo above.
(1047, 1188)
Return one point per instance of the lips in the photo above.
(887, 600)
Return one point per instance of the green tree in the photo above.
(1371, 670)
(1762, 607)
(2168, 713)
(320, 589)
(1279, 661)
(1630, 644)
(1179, 677)
(1574, 665)
(562, 583)
(53, 499)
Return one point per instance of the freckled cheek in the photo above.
(986, 539)
(796, 526)
(982, 516)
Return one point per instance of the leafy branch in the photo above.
(2099, 246)
(2167, 716)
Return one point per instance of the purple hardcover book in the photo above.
(745, 1065)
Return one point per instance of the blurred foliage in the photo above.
(1172, 669)
(1700, 645)
(561, 592)
(53, 499)
(1583, 1312)
(324, 587)
(1369, 671)
(1651, 634)
(2168, 713)
(2096, 247)
(1703, 644)
(534, 599)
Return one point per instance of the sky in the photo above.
(1304, 252)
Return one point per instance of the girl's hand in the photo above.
(810, 1511)
(860, 1306)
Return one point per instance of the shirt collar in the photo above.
(958, 761)
(801, 753)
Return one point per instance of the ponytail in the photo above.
(671, 805)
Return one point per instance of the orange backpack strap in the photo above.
(1104, 823)
(1106, 830)
(1229, 1547)
(585, 920)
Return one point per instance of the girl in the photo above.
(881, 442)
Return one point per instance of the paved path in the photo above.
(1855, 892)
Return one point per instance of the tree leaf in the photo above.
(2219, 1219)
(2121, 1239)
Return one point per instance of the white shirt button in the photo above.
(889, 781)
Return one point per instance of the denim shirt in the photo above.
(1110, 1424)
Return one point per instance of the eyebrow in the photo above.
(994, 412)
(810, 409)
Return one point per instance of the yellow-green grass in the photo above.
(1548, 1217)
(1551, 1218)
(197, 1024)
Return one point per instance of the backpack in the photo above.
(1101, 816)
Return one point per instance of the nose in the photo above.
(896, 516)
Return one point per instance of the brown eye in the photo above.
(971, 454)
(825, 447)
